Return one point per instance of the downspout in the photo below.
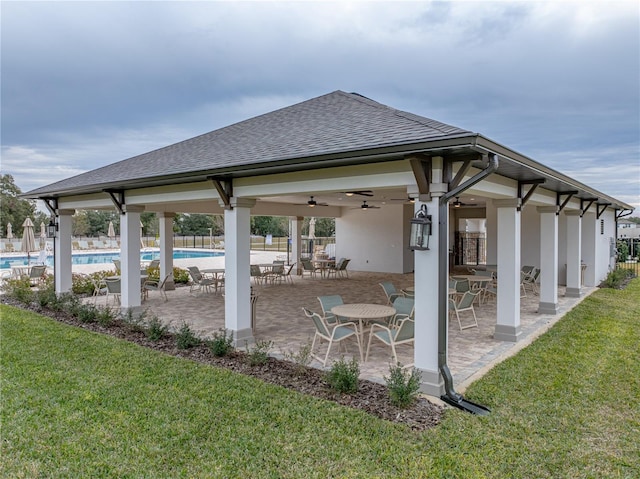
(451, 396)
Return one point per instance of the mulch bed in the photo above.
(370, 397)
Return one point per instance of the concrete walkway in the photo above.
(280, 319)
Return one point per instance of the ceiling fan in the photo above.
(313, 203)
(359, 192)
(365, 206)
(457, 203)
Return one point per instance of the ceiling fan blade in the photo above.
(359, 192)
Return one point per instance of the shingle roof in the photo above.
(329, 124)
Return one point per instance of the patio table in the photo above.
(217, 274)
(363, 312)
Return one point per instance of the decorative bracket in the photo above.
(622, 213)
(600, 211)
(224, 187)
(534, 184)
(566, 201)
(583, 208)
(119, 201)
(421, 166)
(51, 204)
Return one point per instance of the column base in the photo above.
(548, 308)
(507, 333)
(243, 337)
(431, 383)
(573, 292)
(136, 311)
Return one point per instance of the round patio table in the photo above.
(363, 312)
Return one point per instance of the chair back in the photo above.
(289, 269)
(254, 270)
(405, 331)
(452, 283)
(462, 286)
(329, 301)
(306, 264)
(113, 286)
(389, 288)
(37, 271)
(164, 281)
(321, 327)
(154, 264)
(195, 273)
(116, 263)
(467, 300)
(343, 265)
(404, 306)
(277, 268)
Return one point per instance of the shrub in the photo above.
(81, 284)
(615, 278)
(403, 385)
(259, 354)
(87, 313)
(135, 321)
(343, 376)
(46, 295)
(156, 330)
(19, 289)
(105, 316)
(65, 302)
(153, 274)
(180, 275)
(302, 358)
(221, 344)
(186, 338)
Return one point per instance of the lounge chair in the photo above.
(157, 285)
(390, 291)
(465, 304)
(332, 333)
(404, 333)
(198, 281)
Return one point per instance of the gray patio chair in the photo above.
(326, 303)
(157, 285)
(256, 273)
(308, 268)
(531, 279)
(198, 281)
(36, 275)
(341, 269)
(404, 333)
(404, 309)
(113, 289)
(465, 304)
(335, 333)
(390, 291)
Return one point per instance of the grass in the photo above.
(78, 404)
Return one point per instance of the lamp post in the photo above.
(420, 230)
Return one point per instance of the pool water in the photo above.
(105, 258)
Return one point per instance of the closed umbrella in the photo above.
(111, 233)
(43, 234)
(28, 239)
(9, 231)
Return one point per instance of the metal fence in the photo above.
(470, 248)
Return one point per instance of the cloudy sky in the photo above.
(86, 84)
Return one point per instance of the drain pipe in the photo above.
(451, 396)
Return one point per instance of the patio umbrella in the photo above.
(312, 228)
(9, 231)
(111, 233)
(43, 234)
(28, 239)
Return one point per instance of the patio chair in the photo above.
(155, 263)
(465, 304)
(286, 275)
(341, 270)
(99, 287)
(116, 263)
(309, 268)
(113, 289)
(332, 333)
(404, 333)
(404, 309)
(275, 274)
(256, 273)
(36, 275)
(531, 279)
(390, 291)
(198, 281)
(328, 302)
(157, 285)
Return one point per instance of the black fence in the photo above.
(470, 248)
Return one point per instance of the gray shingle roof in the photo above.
(329, 124)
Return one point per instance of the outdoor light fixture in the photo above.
(52, 228)
(420, 230)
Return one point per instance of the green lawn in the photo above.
(77, 404)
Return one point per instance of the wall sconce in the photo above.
(420, 230)
(52, 229)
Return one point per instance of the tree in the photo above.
(269, 225)
(196, 224)
(13, 209)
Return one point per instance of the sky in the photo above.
(86, 84)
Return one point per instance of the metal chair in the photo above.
(332, 333)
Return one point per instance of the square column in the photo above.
(590, 235)
(548, 260)
(237, 304)
(130, 257)
(574, 253)
(166, 247)
(508, 320)
(296, 242)
(62, 266)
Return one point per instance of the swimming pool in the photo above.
(105, 258)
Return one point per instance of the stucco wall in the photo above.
(530, 236)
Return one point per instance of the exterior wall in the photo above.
(408, 255)
(530, 237)
(374, 240)
(562, 250)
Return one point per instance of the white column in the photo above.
(427, 290)
(574, 253)
(237, 304)
(548, 260)
(508, 314)
(296, 241)
(63, 249)
(130, 257)
(166, 247)
(590, 235)
(492, 233)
